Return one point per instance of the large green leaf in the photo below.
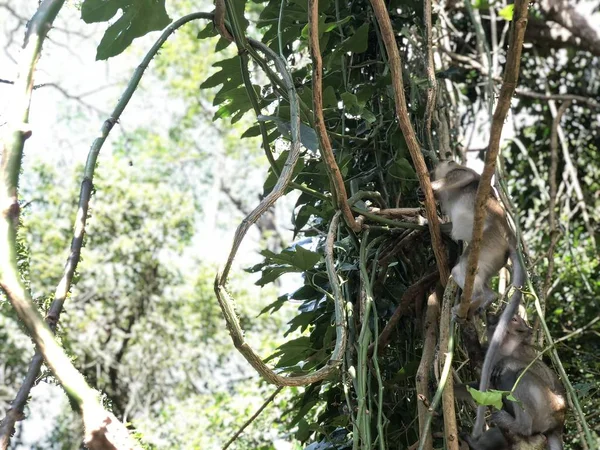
(139, 18)
(308, 136)
(488, 398)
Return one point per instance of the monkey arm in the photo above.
(521, 423)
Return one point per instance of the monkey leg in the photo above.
(492, 439)
(554, 440)
(488, 297)
(521, 423)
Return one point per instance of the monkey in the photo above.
(497, 439)
(455, 187)
(536, 422)
(542, 396)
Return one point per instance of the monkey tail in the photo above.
(519, 277)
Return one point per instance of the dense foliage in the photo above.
(143, 324)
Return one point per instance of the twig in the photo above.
(511, 76)
(565, 379)
(337, 182)
(422, 378)
(253, 417)
(397, 212)
(449, 423)
(482, 49)
(473, 64)
(446, 350)
(407, 300)
(571, 171)
(395, 64)
(363, 416)
(431, 81)
(7, 425)
(554, 233)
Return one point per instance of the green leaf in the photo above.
(507, 12)
(139, 18)
(275, 306)
(229, 76)
(358, 42)
(93, 11)
(308, 136)
(207, 32)
(279, 163)
(329, 98)
(401, 169)
(368, 116)
(305, 259)
(349, 99)
(270, 274)
(488, 398)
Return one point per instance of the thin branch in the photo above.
(237, 335)
(431, 81)
(335, 176)
(445, 388)
(446, 350)
(253, 417)
(102, 429)
(422, 378)
(554, 233)
(473, 64)
(414, 148)
(7, 425)
(511, 77)
(571, 172)
(572, 395)
(407, 300)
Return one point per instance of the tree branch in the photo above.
(15, 412)
(237, 335)
(253, 417)
(554, 233)
(431, 81)
(422, 378)
(446, 350)
(470, 63)
(414, 148)
(337, 182)
(408, 298)
(511, 77)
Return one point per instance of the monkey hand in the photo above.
(456, 317)
(420, 195)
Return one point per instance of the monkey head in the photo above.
(443, 168)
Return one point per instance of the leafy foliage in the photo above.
(137, 19)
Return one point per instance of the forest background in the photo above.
(186, 162)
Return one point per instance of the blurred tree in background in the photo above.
(142, 323)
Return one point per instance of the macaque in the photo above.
(455, 187)
(497, 439)
(542, 397)
(537, 420)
